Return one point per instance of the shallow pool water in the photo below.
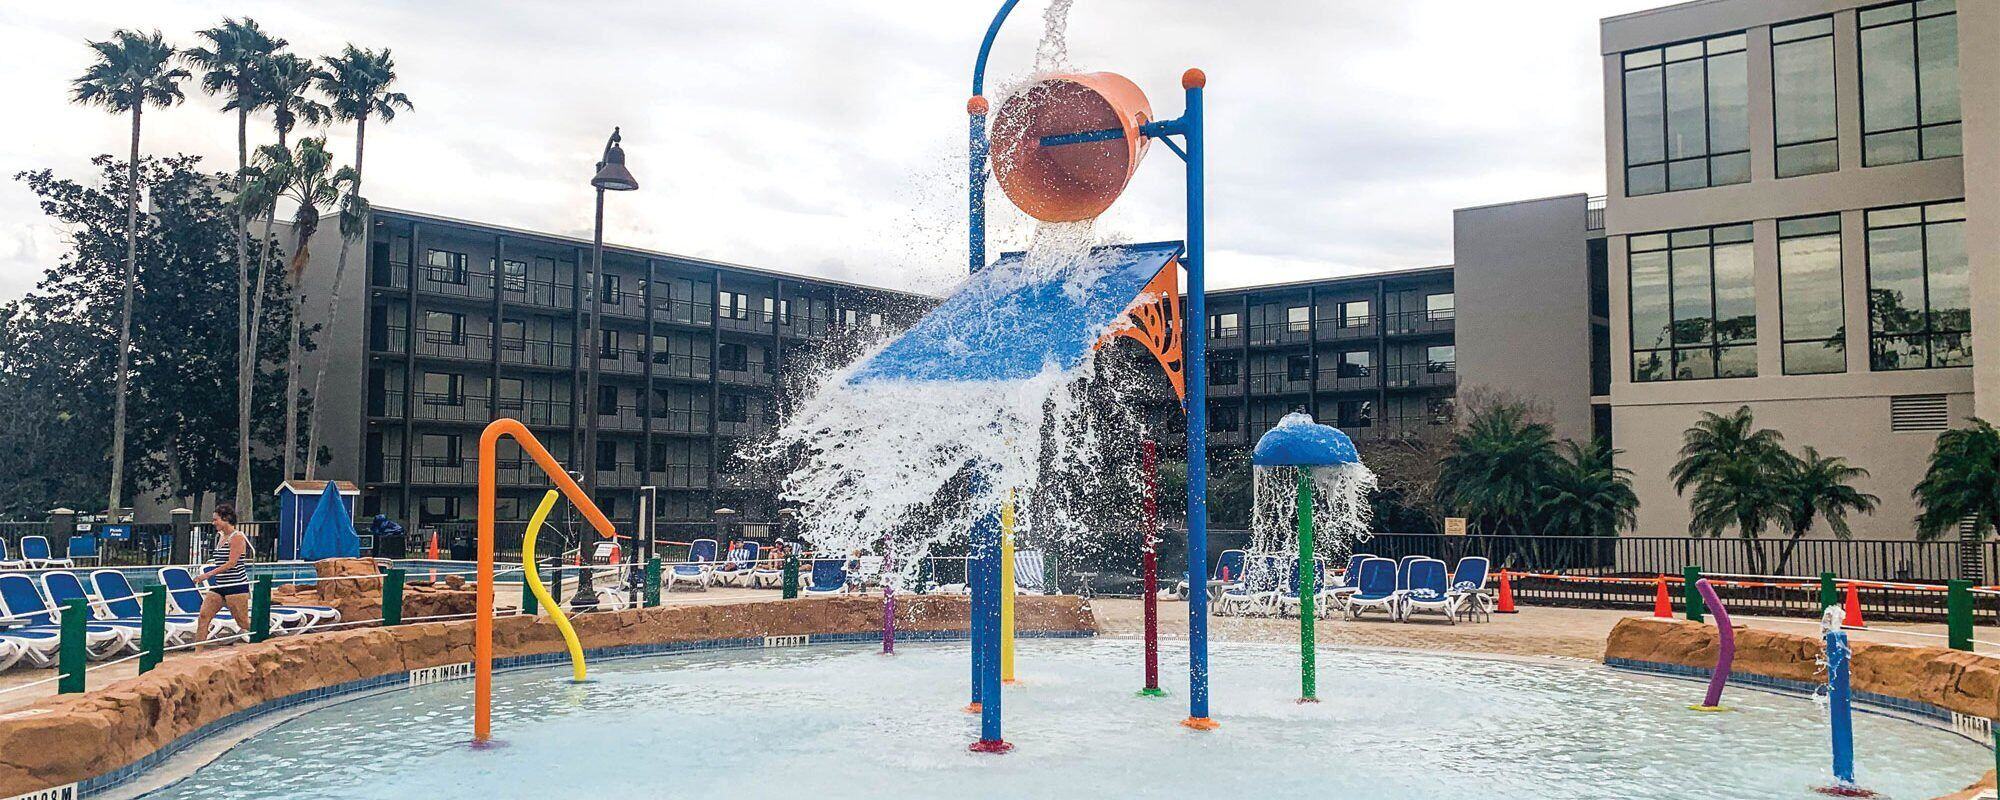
(843, 721)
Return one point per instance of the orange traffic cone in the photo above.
(1506, 605)
(1853, 606)
(1663, 604)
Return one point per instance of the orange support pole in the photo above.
(489, 474)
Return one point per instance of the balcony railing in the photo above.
(1230, 336)
(805, 327)
(543, 413)
(1271, 333)
(1435, 373)
(1230, 388)
(1421, 322)
(1334, 330)
(1279, 383)
(752, 374)
(680, 476)
(1231, 435)
(1349, 378)
(442, 407)
(539, 293)
(1593, 213)
(680, 421)
(751, 322)
(742, 429)
(685, 367)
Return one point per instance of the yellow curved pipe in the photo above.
(542, 592)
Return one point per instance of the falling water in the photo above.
(1340, 510)
(1052, 53)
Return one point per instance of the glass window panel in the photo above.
(1736, 362)
(1896, 280)
(1651, 320)
(1692, 174)
(1729, 169)
(1878, 16)
(1727, 44)
(1648, 241)
(1688, 238)
(1644, 129)
(1814, 358)
(1732, 233)
(1944, 212)
(1801, 30)
(1951, 350)
(1950, 279)
(1687, 119)
(1937, 69)
(1643, 58)
(1649, 366)
(1898, 352)
(1888, 78)
(1942, 142)
(1729, 102)
(1809, 287)
(1808, 226)
(1694, 364)
(1907, 215)
(1889, 148)
(1808, 159)
(1683, 51)
(1735, 295)
(1694, 309)
(1928, 7)
(1645, 180)
(1802, 90)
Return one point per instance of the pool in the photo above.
(839, 721)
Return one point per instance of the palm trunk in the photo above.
(259, 279)
(297, 299)
(246, 353)
(1785, 552)
(1754, 554)
(333, 306)
(125, 318)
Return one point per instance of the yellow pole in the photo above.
(1007, 589)
(534, 578)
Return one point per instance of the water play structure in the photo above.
(1314, 454)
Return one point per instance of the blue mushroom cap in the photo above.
(1298, 441)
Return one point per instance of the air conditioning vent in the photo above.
(1918, 412)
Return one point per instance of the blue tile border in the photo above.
(117, 777)
(1904, 706)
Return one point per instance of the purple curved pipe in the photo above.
(1727, 654)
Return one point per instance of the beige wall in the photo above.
(1521, 271)
(1979, 99)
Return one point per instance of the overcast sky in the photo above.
(827, 138)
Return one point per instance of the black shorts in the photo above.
(232, 589)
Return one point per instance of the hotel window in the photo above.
(1694, 308)
(511, 394)
(441, 450)
(1298, 368)
(1909, 82)
(607, 401)
(1356, 364)
(1222, 372)
(513, 334)
(1354, 414)
(513, 275)
(1441, 358)
(1687, 116)
(444, 266)
(733, 357)
(1440, 306)
(1223, 418)
(1811, 311)
(735, 305)
(444, 389)
(731, 408)
(1802, 97)
(779, 311)
(607, 455)
(444, 327)
(1223, 326)
(607, 344)
(874, 319)
(1298, 319)
(607, 289)
(1919, 292)
(1354, 314)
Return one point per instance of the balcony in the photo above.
(1271, 334)
(1268, 383)
(680, 476)
(465, 284)
(1232, 388)
(534, 353)
(1338, 330)
(631, 305)
(1233, 435)
(1593, 213)
(536, 413)
(621, 361)
(680, 422)
(1412, 376)
(741, 429)
(434, 407)
(522, 291)
(1231, 336)
(753, 373)
(748, 322)
(805, 328)
(683, 312)
(1349, 378)
(680, 367)
(1419, 323)
(622, 476)
(622, 418)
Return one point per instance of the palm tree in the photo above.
(286, 80)
(133, 70)
(1962, 482)
(1734, 468)
(1587, 493)
(1815, 487)
(357, 81)
(231, 64)
(1497, 467)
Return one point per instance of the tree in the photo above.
(302, 176)
(232, 64)
(1497, 467)
(286, 81)
(1734, 468)
(357, 82)
(133, 71)
(1814, 487)
(1962, 482)
(1587, 493)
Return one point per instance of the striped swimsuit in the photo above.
(236, 579)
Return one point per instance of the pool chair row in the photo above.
(1267, 584)
(1031, 575)
(1401, 589)
(746, 564)
(35, 554)
(32, 635)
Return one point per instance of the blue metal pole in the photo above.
(1195, 350)
(1840, 707)
(986, 647)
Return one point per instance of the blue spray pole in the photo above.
(1196, 353)
(1840, 697)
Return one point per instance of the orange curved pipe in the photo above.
(489, 479)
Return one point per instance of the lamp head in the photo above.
(611, 172)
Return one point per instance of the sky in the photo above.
(828, 138)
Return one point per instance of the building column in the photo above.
(1979, 101)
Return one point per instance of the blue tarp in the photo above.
(1298, 441)
(330, 532)
(1000, 327)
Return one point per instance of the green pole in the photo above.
(791, 575)
(1695, 608)
(152, 628)
(70, 652)
(392, 597)
(1307, 640)
(653, 582)
(555, 587)
(1829, 591)
(1958, 613)
(528, 604)
(260, 608)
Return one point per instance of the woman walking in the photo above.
(228, 581)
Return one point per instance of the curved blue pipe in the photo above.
(986, 47)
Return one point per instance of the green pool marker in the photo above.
(1307, 586)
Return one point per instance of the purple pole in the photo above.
(888, 598)
(1726, 653)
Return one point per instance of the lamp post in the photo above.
(611, 176)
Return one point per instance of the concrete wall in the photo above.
(1523, 284)
(1979, 102)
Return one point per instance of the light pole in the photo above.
(614, 177)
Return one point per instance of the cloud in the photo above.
(828, 138)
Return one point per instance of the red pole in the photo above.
(1149, 536)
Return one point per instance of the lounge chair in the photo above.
(769, 571)
(1347, 582)
(1257, 593)
(25, 603)
(829, 576)
(864, 572)
(35, 551)
(64, 586)
(700, 566)
(1288, 595)
(1429, 590)
(1375, 589)
(184, 599)
(7, 560)
(285, 618)
(738, 566)
(115, 592)
(1228, 568)
(84, 547)
(1030, 572)
(184, 594)
(1468, 588)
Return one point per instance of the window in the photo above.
(1356, 363)
(444, 389)
(607, 344)
(733, 356)
(1694, 310)
(444, 327)
(1909, 82)
(513, 275)
(1298, 368)
(1811, 311)
(777, 310)
(1440, 306)
(607, 455)
(731, 408)
(437, 508)
(607, 289)
(444, 266)
(510, 394)
(874, 320)
(849, 317)
(1223, 372)
(1802, 97)
(1223, 326)
(1441, 358)
(1298, 319)
(1223, 419)
(1687, 116)
(1919, 293)
(513, 335)
(1354, 414)
(440, 450)
(1354, 314)
(735, 305)
(607, 401)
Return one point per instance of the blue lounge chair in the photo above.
(1288, 595)
(1403, 570)
(7, 560)
(1347, 582)
(1468, 588)
(1429, 590)
(35, 551)
(770, 571)
(742, 559)
(1375, 589)
(1228, 568)
(699, 568)
(1257, 593)
(25, 604)
(184, 594)
(82, 547)
(115, 592)
(829, 576)
(65, 586)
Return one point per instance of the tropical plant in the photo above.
(285, 86)
(357, 82)
(1733, 467)
(1497, 467)
(1962, 482)
(305, 175)
(1813, 487)
(132, 71)
(232, 63)
(1587, 493)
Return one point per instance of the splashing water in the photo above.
(1052, 53)
(1340, 511)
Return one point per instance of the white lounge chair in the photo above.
(1257, 593)
(699, 569)
(1429, 590)
(737, 566)
(1375, 589)
(25, 603)
(115, 592)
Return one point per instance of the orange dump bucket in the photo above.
(1069, 182)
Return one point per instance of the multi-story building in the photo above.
(1804, 218)
(649, 376)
